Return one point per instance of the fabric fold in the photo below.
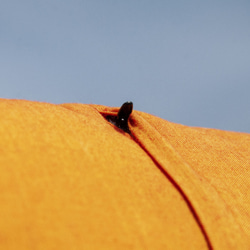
(210, 211)
(72, 180)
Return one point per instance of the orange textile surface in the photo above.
(69, 179)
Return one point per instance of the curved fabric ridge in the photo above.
(69, 179)
(215, 220)
(214, 215)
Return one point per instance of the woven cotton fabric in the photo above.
(72, 180)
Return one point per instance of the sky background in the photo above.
(185, 61)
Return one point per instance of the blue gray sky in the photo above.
(185, 61)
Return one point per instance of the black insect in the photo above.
(121, 120)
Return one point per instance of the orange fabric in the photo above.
(71, 180)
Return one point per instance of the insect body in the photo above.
(121, 120)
